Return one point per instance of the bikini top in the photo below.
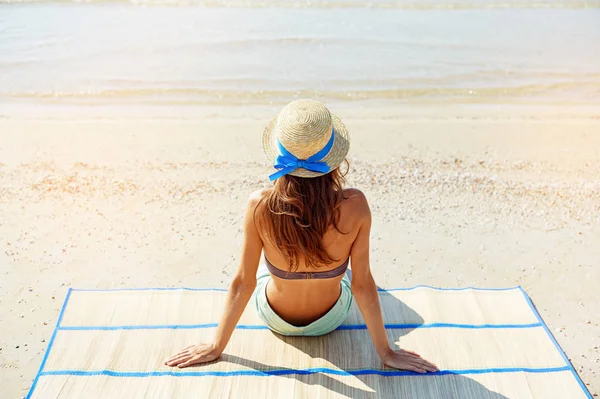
(338, 271)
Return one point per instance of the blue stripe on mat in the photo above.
(263, 327)
(60, 316)
(560, 350)
(225, 290)
(448, 289)
(263, 373)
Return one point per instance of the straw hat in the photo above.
(304, 127)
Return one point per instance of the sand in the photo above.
(486, 198)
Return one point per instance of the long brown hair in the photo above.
(298, 211)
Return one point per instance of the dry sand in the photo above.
(486, 199)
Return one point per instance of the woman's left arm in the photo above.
(239, 294)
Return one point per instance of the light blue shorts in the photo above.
(326, 324)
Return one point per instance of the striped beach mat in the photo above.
(487, 343)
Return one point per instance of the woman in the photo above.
(309, 228)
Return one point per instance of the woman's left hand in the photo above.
(195, 354)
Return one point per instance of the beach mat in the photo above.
(487, 343)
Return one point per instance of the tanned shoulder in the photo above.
(258, 195)
(357, 201)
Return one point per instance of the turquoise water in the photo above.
(105, 56)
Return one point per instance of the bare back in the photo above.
(301, 302)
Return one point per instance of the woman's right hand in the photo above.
(410, 361)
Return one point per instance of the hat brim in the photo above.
(341, 146)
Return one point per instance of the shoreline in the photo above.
(367, 110)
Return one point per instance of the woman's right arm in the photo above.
(239, 294)
(367, 298)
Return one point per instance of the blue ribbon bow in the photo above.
(287, 162)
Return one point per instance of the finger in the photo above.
(412, 353)
(187, 363)
(424, 366)
(178, 360)
(409, 366)
(177, 356)
(428, 365)
(172, 358)
(181, 353)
